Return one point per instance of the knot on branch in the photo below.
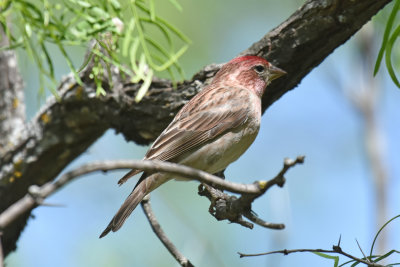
(224, 206)
(36, 193)
(229, 207)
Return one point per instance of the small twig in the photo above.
(365, 257)
(278, 180)
(253, 218)
(284, 252)
(287, 164)
(335, 249)
(156, 227)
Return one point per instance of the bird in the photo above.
(211, 131)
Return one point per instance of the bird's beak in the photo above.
(275, 72)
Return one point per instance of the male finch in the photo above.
(212, 130)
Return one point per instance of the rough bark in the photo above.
(63, 129)
(12, 108)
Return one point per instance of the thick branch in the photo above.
(12, 106)
(63, 129)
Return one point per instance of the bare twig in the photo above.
(358, 244)
(156, 227)
(335, 249)
(255, 219)
(227, 207)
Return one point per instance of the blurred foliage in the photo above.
(127, 34)
(390, 36)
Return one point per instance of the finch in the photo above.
(211, 131)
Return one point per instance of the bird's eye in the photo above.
(259, 68)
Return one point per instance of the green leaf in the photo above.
(83, 3)
(99, 13)
(161, 28)
(70, 64)
(168, 25)
(386, 255)
(347, 262)
(133, 52)
(152, 10)
(110, 61)
(116, 5)
(140, 70)
(326, 256)
(76, 22)
(386, 35)
(128, 38)
(166, 54)
(173, 59)
(4, 6)
(86, 62)
(388, 56)
(145, 86)
(48, 59)
(176, 5)
(28, 30)
(355, 263)
(99, 88)
(380, 230)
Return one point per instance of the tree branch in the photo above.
(12, 106)
(156, 227)
(227, 207)
(36, 194)
(335, 249)
(72, 124)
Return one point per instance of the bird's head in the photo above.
(251, 72)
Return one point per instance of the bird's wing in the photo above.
(199, 122)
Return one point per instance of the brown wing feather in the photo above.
(197, 124)
(204, 122)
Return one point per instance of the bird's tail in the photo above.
(142, 188)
